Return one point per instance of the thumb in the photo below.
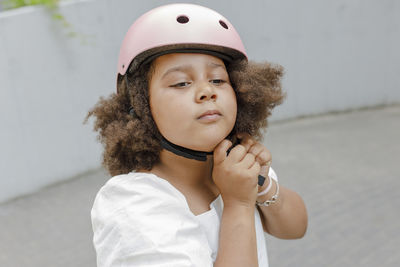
(220, 151)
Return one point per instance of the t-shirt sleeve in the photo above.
(138, 221)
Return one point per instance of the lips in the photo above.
(210, 115)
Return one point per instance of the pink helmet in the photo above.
(179, 28)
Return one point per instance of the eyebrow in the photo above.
(184, 68)
(181, 68)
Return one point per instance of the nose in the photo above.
(205, 92)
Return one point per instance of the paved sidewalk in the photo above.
(345, 166)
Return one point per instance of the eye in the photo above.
(217, 81)
(180, 85)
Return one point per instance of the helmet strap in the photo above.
(194, 154)
(184, 152)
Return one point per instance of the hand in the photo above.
(236, 175)
(261, 153)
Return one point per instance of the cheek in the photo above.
(156, 108)
(167, 114)
(232, 107)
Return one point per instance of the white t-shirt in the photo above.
(139, 219)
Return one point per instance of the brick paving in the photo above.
(344, 165)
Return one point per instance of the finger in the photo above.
(237, 154)
(220, 151)
(256, 149)
(247, 141)
(248, 161)
(264, 170)
(255, 170)
(264, 157)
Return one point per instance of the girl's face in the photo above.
(191, 99)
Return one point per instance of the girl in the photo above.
(180, 139)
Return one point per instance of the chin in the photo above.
(201, 141)
(207, 145)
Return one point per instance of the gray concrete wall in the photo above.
(338, 55)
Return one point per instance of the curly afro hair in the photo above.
(132, 142)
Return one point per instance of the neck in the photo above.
(183, 151)
(184, 171)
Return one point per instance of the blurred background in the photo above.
(335, 139)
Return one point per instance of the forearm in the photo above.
(287, 218)
(237, 238)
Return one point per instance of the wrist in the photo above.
(239, 207)
(266, 187)
(271, 197)
(237, 204)
(270, 193)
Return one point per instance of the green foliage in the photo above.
(52, 7)
(10, 4)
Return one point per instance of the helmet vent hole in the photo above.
(223, 24)
(182, 19)
(123, 66)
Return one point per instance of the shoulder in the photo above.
(137, 216)
(140, 202)
(134, 191)
(134, 181)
